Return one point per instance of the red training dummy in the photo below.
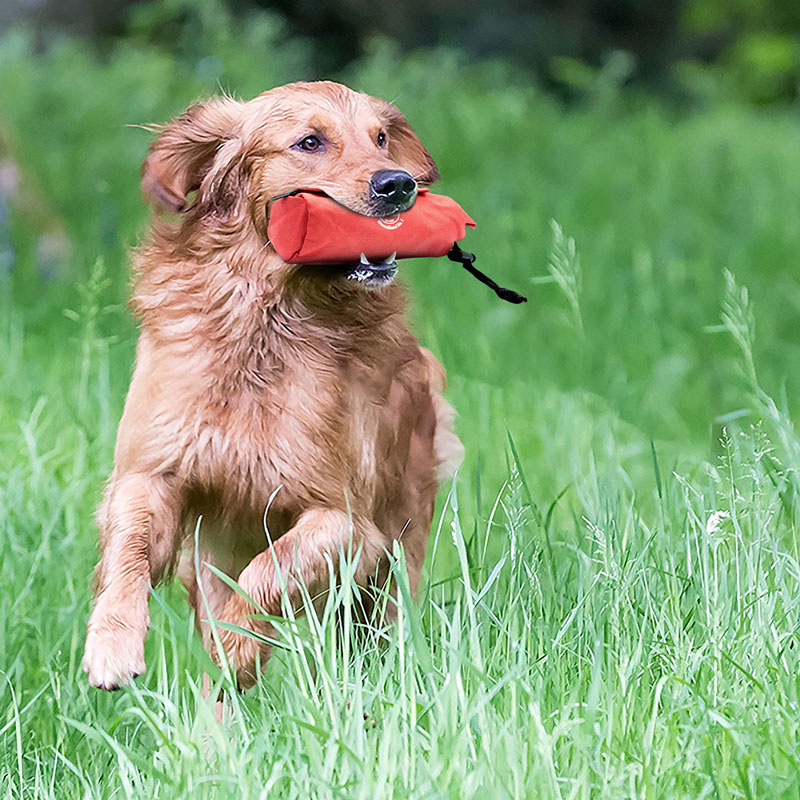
(308, 227)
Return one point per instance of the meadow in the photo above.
(611, 603)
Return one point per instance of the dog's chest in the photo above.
(309, 437)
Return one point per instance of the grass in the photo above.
(610, 607)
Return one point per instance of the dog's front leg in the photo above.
(301, 557)
(138, 525)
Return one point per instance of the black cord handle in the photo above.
(467, 261)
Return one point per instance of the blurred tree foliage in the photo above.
(748, 49)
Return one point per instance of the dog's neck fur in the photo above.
(245, 314)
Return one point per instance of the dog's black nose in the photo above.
(394, 186)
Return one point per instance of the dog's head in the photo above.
(221, 162)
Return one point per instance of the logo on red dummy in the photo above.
(390, 223)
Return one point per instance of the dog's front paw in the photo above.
(114, 655)
(245, 653)
(241, 652)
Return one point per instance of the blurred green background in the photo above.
(634, 168)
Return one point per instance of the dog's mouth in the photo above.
(368, 273)
(371, 274)
(375, 274)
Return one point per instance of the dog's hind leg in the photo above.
(207, 594)
(139, 521)
(301, 557)
(205, 603)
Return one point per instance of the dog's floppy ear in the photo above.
(405, 147)
(198, 151)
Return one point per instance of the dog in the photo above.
(255, 378)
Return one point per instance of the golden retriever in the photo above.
(253, 375)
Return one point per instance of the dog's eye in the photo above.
(381, 139)
(309, 144)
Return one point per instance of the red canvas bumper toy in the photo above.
(308, 227)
